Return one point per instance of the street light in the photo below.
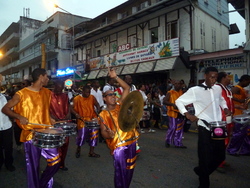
(73, 31)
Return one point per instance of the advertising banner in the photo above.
(159, 50)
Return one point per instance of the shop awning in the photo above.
(93, 74)
(103, 73)
(118, 69)
(145, 67)
(130, 68)
(165, 64)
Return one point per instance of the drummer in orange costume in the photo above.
(122, 144)
(84, 106)
(31, 105)
(240, 94)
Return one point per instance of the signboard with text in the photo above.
(159, 50)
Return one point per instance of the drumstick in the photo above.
(39, 124)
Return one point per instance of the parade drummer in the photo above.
(60, 110)
(84, 106)
(31, 106)
(207, 100)
(122, 144)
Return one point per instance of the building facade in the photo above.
(141, 38)
(141, 28)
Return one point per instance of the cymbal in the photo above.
(131, 111)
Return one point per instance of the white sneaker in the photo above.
(151, 131)
(142, 131)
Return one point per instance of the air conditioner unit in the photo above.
(134, 10)
(144, 5)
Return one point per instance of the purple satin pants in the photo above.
(86, 133)
(32, 156)
(240, 142)
(175, 131)
(124, 163)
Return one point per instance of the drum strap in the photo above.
(206, 123)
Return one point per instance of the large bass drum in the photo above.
(48, 138)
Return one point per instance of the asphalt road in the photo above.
(157, 167)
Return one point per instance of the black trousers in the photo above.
(6, 150)
(17, 133)
(211, 154)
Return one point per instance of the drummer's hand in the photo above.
(52, 121)
(227, 112)
(111, 133)
(77, 116)
(191, 117)
(23, 120)
(112, 72)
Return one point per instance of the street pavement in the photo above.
(157, 167)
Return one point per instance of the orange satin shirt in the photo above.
(174, 95)
(117, 140)
(242, 95)
(85, 108)
(34, 105)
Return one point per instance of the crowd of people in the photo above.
(93, 111)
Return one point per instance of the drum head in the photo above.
(242, 119)
(50, 131)
(218, 123)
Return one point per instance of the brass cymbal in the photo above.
(131, 111)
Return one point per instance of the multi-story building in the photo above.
(152, 37)
(21, 51)
(145, 38)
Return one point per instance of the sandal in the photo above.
(94, 155)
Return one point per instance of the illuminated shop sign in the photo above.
(65, 72)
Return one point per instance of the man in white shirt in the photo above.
(110, 85)
(207, 100)
(97, 92)
(6, 138)
(128, 80)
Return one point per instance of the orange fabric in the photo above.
(242, 95)
(85, 108)
(34, 105)
(174, 95)
(114, 142)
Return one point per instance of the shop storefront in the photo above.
(147, 64)
(232, 61)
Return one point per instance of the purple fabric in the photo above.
(122, 155)
(86, 133)
(33, 155)
(240, 142)
(175, 131)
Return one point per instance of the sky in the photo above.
(11, 10)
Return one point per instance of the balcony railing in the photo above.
(13, 35)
